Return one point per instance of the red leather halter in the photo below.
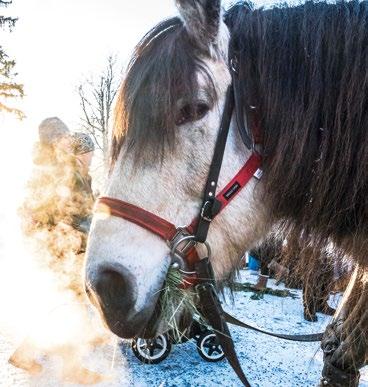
(168, 231)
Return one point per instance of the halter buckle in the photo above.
(181, 243)
(206, 211)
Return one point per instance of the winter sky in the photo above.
(58, 43)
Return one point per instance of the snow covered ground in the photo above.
(266, 361)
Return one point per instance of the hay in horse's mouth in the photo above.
(174, 310)
(178, 306)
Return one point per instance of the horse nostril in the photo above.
(115, 291)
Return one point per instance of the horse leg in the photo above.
(325, 287)
(309, 304)
(316, 289)
(345, 341)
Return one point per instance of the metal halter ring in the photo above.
(181, 253)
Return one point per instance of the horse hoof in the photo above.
(310, 317)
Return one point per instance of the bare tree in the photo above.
(9, 89)
(96, 99)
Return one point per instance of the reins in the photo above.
(183, 242)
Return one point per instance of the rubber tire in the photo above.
(147, 360)
(202, 338)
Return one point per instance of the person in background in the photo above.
(268, 254)
(54, 184)
(56, 216)
(58, 208)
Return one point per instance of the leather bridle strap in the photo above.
(137, 215)
(233, 187)
(210, 205)
(210, 308)
(309, 338)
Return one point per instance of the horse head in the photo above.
(167, 119)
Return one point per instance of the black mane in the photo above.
(305, 68)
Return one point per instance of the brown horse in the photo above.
(305, 71)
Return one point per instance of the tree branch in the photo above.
(96, 100)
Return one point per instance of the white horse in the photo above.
(167, 119)
(131, 261)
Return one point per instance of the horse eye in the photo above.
(192, 112)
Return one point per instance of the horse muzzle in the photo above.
(113, 291)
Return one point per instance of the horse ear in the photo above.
(202, 20)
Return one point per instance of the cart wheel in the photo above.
(151, 351)
(209, 348)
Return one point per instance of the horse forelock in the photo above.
(305, 68)
(163, 70)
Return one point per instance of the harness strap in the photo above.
(233, 188)
(137, 215)
(304, 338)
(210, 205)
(212, 311)
(241, 179)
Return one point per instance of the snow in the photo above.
(266, 361)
